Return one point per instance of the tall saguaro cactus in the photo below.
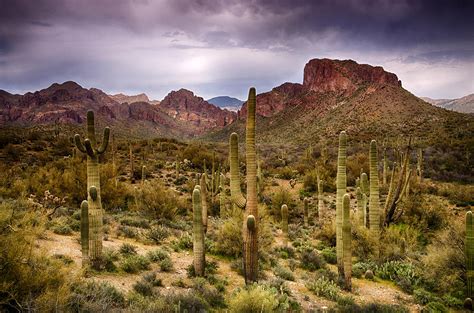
(341, 184)
(204, 201)
(374, 201)
(284, 223)
(93, 185)
(250, 234)
(346, 241)
(198, 234)
(360, 208)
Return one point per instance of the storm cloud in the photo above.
(222, 47)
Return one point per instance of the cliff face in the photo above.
(323, 75)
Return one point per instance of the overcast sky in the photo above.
(223, 47)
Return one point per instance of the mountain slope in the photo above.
(226, 102)
(68, 103)
(463, 105)
(365, 101)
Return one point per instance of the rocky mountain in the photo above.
(463, 105)
(122, 98)
(226, 102)
(336, 95)
(182, 114)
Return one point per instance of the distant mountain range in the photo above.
(463, 105)
(366, 101)
(226, 102)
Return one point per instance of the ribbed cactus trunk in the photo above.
(198, 234)
(385, 167)
(341, 184)
(360, 208)
(364, 187)
(284, 223)
(374, 200)
(419, 165)
(321, 211)
(469, 248)
(85, 232)
(305, 211)
(204, 201)
(93, 186)
(346, 239)
(251, 240)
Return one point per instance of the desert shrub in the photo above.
(254, 298)
(445, 260)
(425, 212)
(197, 155)
(127, 232)
(285, 172)
(282, 196)
(60, 226)
(323, 287)
(311, 260)
(329, 255)
(134, 264)
(212, 296)
(135, 222)
(360, 268)
(151, 278)
(435, 307)
(185, 242)
(228, 235)
(399, 241)
(310, 181)
(457, 194)
(364, 244)
(160, 202)
(421, 296)
(166, 265)
(109, 258)
(158, 255)
(157, 234)
(128, 249)
(284, 273)
(93, 296)
(28, 279)
(189, 301)
(144, 288)
(327, 234)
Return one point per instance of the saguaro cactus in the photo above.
(385, 167)
(204, 201)
(346, 241)
(305, 211)
(320, 198)
(469, 248)
(93, 184)
(250, 250)
(198, 234)
(360, 208)
(419, 164)
(284, 223)
(85, 232)
(341, 184)
(374, 201)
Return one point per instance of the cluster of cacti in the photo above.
(198, 233)
(341, 185)
(93, 188)
(284, 223)
(250, 224)
(374, 200)
(469, 250)
(305, 211)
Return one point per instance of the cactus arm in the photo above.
(105, 141)
(390, 189)
(89, 148)
(405, 186)
(85, 232)
(91, 127)
(235, 191)
(79, 145)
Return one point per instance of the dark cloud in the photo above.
(44, 39)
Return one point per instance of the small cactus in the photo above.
(198, 234)
(284, 223)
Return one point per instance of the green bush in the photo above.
(435, 307)
(329, 255)
(371, 308)
(128, 249)
(166, 265)
(144, 288)
(109, 259)
(134, 264)
(158, 255)
(282, 196)
(157, 234)
(159, 201)
(93, 296)
(254, 298)
(311, 260)
(284, 273)
(404, 275)
(135, 222)
(228, 235)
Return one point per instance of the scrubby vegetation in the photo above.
(147, 262)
